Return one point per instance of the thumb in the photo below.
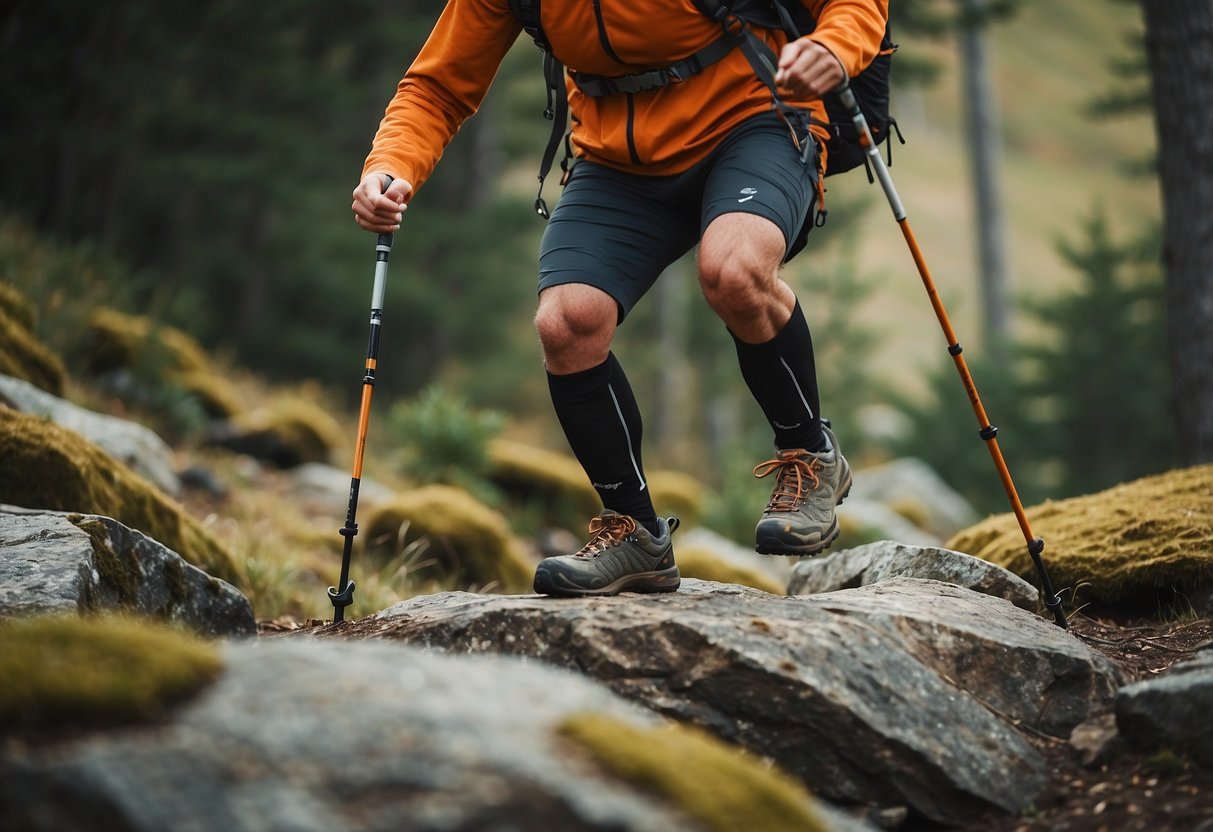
(400, 191)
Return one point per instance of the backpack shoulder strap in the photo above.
(527, 12)
(557, 109)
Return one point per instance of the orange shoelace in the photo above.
(795, 472)
(604, 531)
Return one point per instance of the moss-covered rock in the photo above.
(698, 562)
(118, 340)
(723, 788)
(289, 431)
(1137, 542)
(17, 306)
(46, 466)
(679, 494)
(553, 481)
(469, 541)
(23, 356)
(163, 358)
(215, 394)
(69, 673)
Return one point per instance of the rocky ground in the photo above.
(1124, 790)
(1130, 790)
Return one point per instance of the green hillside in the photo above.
(1059, 165)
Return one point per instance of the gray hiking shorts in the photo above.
(618, 231)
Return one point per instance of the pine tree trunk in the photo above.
(1179, 41)
(981, 116)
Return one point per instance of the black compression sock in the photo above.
(601, 421)
(782, 376)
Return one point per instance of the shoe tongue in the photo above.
(792, 453)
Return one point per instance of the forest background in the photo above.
(194, 163)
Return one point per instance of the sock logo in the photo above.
(611, 486)
(785, 427)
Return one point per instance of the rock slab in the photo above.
(1172, 710)
(885, 559)
(52, 565)
(318, 736)
(900, 693)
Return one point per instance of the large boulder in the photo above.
(1138, 543)
(885, 559)
(70, 563)
(137, 446)
(899, 693)
(322, 736)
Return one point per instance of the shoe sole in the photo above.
(774, 546)
(666, 580)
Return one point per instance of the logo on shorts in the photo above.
(749, 194)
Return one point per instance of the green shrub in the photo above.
(445, 440)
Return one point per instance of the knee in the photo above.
(733, 282)
(574, 328)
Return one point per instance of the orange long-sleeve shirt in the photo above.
(661, 131)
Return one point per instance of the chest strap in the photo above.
(597, 86)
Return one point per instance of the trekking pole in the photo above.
(343, 596)
(987, 432)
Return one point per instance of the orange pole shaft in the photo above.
(962, 367)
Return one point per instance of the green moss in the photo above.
(49, 467)
(23, 357)
(723, 788)
(120, 570)
(700, 563)
(63, 673)
(470, 540)
(1129, 543)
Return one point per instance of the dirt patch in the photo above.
(1130, 791)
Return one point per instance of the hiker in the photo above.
(705, 157)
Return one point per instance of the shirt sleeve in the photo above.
(442, 88)
(851, 29)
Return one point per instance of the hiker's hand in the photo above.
(808, 70)
(378, 210)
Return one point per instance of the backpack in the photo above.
(871, 86)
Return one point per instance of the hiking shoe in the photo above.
(621, 556)
(800, 518)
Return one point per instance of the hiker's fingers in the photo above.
(808, 70)
(379, 210)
